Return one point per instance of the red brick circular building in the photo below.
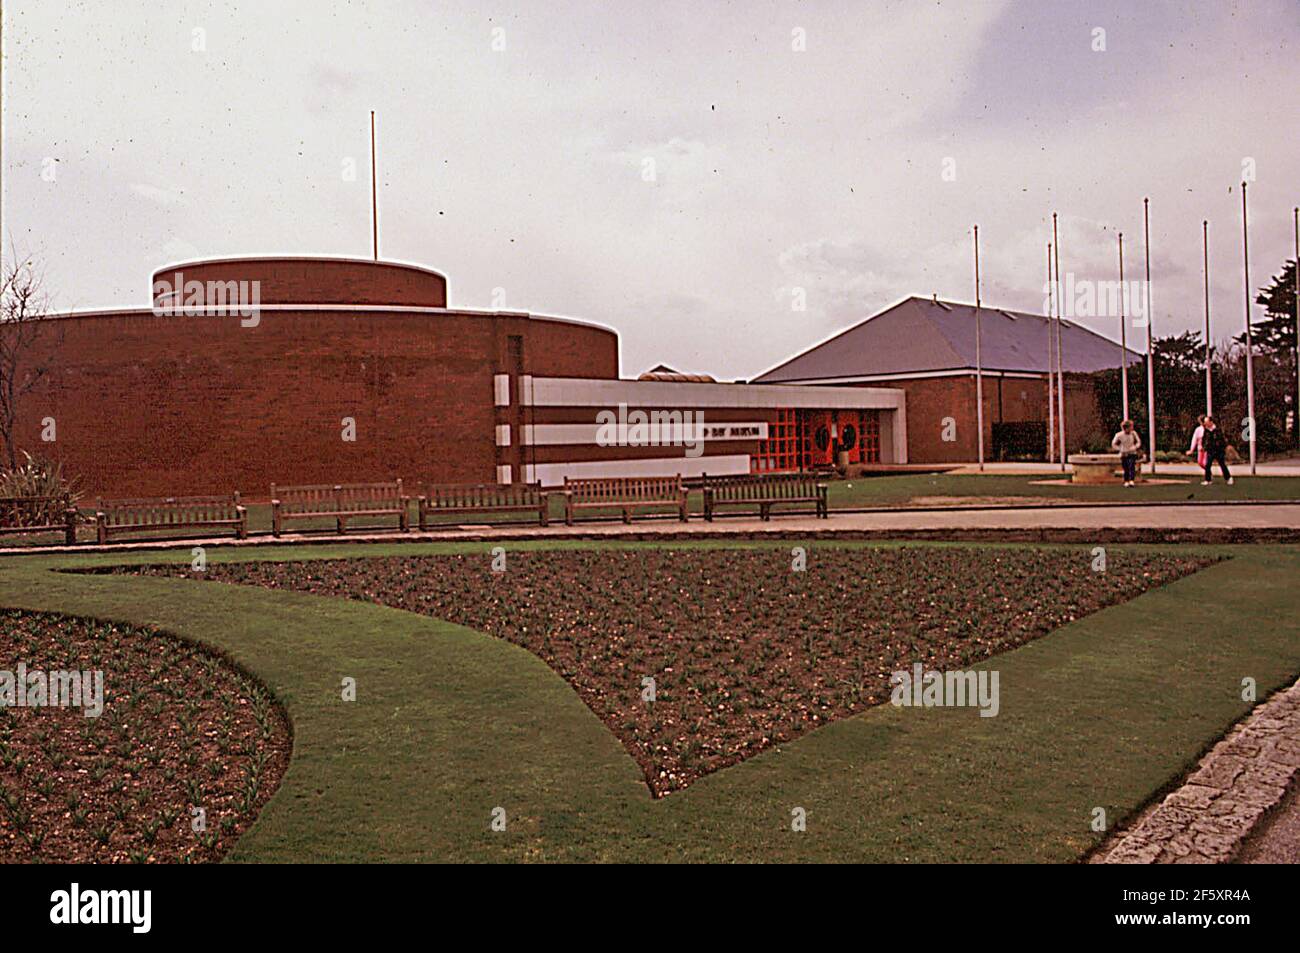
(205, 394)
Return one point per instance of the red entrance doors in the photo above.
(828, 432)
(806, 439)
(820, 435)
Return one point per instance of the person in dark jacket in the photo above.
(1215, 446)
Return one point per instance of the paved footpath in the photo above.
(1125, 522)
(1213, 815)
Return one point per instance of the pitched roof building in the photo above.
(927, 348)
(930, 336)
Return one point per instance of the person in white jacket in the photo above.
(1128, 443)
(1196, 451)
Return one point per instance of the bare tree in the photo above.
(23, 304)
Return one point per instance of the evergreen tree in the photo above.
(1275, 335)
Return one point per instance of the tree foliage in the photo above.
(24, 303)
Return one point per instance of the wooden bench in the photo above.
(483, 498)
(764, 491)
(339, 502)
(39, 514)
(627, 494)
(173, 512)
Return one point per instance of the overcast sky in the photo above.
(775, 168)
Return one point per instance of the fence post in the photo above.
(70, 522)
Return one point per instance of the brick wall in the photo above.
(151, 406)
(931, 399)
(318, 280)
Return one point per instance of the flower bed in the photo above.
(180, 729)
(745, 653)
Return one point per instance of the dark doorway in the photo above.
(1022, 440)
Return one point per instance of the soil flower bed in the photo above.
(744, 652)
(180, 729)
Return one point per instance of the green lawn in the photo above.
(450, 724)
(901, 490)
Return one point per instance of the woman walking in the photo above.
(1128, 443)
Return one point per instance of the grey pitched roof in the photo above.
(920, 335)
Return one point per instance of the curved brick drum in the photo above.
(189, 400)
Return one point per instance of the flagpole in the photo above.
(1209, 377)
(1051, 406)
(1151, 354)
(1123, 345)
(1250, 360)
(1295, 352)
(1060, 366)
(979, 361)
(374, 193)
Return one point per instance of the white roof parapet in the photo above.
(584, 392)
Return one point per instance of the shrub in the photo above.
(36, 477)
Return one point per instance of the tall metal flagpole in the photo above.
(1250, 359)
(1151, 354)
(374, 192)
(1123, 320)
(1051, 405)
(1209, 377)
(979, 358)
(1060, 366)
